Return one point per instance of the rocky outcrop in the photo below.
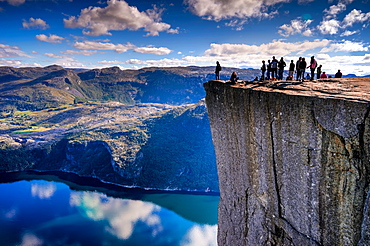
(293, 162)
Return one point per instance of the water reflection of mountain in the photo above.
(199, 207)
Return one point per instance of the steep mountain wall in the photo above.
(293, 162)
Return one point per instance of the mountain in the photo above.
(26, 87)
(146, 128)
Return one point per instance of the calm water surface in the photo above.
(40, 212)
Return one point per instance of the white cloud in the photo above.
(355, 16)
(111, 62)
(121, 214)
(335, 9)
(14, 2)
(201, 236)
(117, 16)
(297, 26)
(120, 48)
(11, 51)
(173, 31)
(222, 9)
(160, 63)
(347, 46)
(49, 39)
(88, 45)
(13, 63)
(277, 48)
(51, 55)
(136, 62)
(329, 26)
(153, 50)
(35, 24)
(43, 191)
(79, 52)
(307, 33)
(348, 33)
(69, 62)
(17, 63)
(236, 24)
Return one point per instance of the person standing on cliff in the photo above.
(318, 72)
(268, 70)
(274, 65)
(281, 66)
(302, 68)
(291, 70)
(217, 71)
(312, 66)
(298, 69)
(263, 70)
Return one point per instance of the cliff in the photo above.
(293, 161)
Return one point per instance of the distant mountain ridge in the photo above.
(174, 85)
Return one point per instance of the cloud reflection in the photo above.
(201, 236)
(10, 214)
(30, 239)
(43, 191)
(121, 214)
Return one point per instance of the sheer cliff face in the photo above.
(293, 167)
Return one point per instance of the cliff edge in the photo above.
(293, 161)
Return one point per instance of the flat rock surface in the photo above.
(354, 89)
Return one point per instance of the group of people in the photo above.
(274, 70)
(299, 68)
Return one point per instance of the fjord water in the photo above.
(40, 212)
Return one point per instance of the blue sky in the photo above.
(140, 33)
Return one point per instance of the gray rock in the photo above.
(293, 162)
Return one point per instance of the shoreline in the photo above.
(77, 182)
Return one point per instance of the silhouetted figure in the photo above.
(298, 68)
(256, 78)
(218, 69)
(281, 67)
(291, 69)
(274, 67)
(234, 78)
(312, 66)
(318, 72)
(268, 69)
(302, 68)
(263, 70)
(323, 75)
(338, 74)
